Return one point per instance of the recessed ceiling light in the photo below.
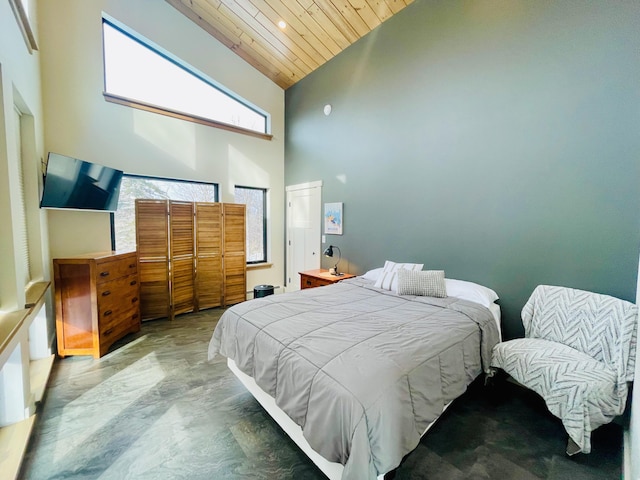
(282, 24)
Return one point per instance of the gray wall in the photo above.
(497, 140)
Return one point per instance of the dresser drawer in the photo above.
(111, 292)
(107, 271)
(117, 296)
(307, 281)
(112, 313)
(124, 323)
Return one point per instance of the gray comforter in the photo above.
(361, 370)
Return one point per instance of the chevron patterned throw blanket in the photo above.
(578, 354)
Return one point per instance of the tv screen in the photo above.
(76, 184)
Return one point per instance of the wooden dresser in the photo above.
(97, 301)
(320, 277)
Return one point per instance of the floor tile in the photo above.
(155, 408)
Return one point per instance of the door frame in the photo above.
(289, 274)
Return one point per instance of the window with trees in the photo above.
(123, 224)
(256, 201)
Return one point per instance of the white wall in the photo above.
(19, 87)
(80, 123)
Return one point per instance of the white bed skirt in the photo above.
(332, 470)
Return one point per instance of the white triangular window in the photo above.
(142, 75)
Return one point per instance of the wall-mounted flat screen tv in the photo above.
(77, 184)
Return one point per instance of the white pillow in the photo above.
(470, 291)
(388, 279)
(373, 275)
(427, 283)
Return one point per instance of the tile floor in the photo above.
(155, 408)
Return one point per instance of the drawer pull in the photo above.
(134, 299)
(308, 282)
(104, 274)
(106, 293)
(107, 313)
(132, 265)
(133, 282)
(107, 332)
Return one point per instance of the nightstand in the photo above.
(320, 277)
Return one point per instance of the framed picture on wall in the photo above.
(333, 218)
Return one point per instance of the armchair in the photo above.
(578, 354)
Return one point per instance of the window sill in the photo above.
(14, 440)
(128, 102)
(16, 337)
(259, 266)
(12, 322)
(35, 293)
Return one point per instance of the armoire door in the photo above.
(181, 257)
(235, 253)
(208, 290)
(152, 230)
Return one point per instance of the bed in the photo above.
(354, 373)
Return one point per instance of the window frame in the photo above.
(148, 107)
(112, 216)
(21, 12)
(264, 223)
(22, 217)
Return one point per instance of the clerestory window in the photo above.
(141, 75)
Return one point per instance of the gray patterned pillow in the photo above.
(388, 279)
(427, 283)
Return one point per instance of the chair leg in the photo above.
(572, 447)
(490, 377)
(494, 383)
(390, 475)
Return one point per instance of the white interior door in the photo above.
(304, 218)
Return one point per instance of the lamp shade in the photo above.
(329, 253)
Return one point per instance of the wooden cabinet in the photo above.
(97, 301)
(320, 277)
(192, 256)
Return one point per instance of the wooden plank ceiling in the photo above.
(315, 31)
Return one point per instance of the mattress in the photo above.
(362, 371)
